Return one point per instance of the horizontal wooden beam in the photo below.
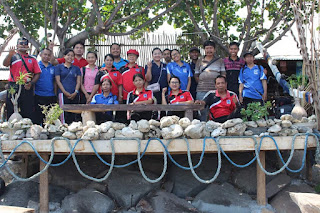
(177, 146)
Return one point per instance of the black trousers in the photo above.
(69, 117)
(42, 100)
(234, 114)
(25, 102)
(247, 101)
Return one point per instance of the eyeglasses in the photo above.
(23, 42)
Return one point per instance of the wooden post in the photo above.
(189, 114)
(44, 187)
(308, 166)
(88, 116)
(261, 181)
(25, 160)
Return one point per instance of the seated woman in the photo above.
(140, 96)
(106, 97)
(176, 95)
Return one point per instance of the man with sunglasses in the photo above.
(21, 61)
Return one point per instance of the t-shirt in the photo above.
(79, 63)
(220, 106)
(17, 66)
(183, 72)
(181, 97)
(119, 64)
(101, 99)
(127, 78)
(89, 78)
(115, 77)
(156, 71)
(144, 95)
(68, 77)
(45, 85)
(251, 79)
(233, 69)
(208, 76)
(194, 84)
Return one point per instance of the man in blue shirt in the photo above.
(115, 50)
(253, 82)
(45, 87)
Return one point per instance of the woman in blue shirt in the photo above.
(68, 78)
(106, 97)
(180, 69)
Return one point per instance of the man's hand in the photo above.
(264, 96)
(51, 45)
(149, 64)
(73, 95)
(67, 94)
(27, 86)
(199, 102)
(241, 99)
(12, 50)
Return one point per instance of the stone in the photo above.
(154, 123)
(19, 132)
(75, 126)
(118, 134)
(171, 132)
(154, 133)
(307, 202)
(237, 130)
(294, 132)
(4, 137)
(166, 122)
(270, 122)
(133, 125)
(57, 122)
(118, 126)
(79, 134)
(304, 120)
(275, 128)
(107, 135)
(316, 173)
(248, 133)
(52, 128)
(251, 124)
(43, 136)
(35, 131)
(195, 121)
(184, 122)
(219, 132)
(312, 118)
(91, 134)
(231, 123)
(105, 126)
(131, 133)
(287, 117)
(128, 187)
(54, 207)
(194, 131)
(63, 128)
(175, 119)
(277, 184)
(286, 124)
(87, 200)
(91, 124)
(277, 121)
(26, 121)
(212, 125)
(264, 134)
(302, 129)
(261, 123)
(69, 135)
(17, 125)
(143, 126)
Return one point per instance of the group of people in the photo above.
(210, 80)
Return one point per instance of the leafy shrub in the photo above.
(255, 111)
(51, 113)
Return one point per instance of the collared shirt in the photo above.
(208, 75)
(89, 77)
(156, 71)
(127, 78)
(182, 96)
(251, 79)
(45, 85)
(144, 95)
(194, 84)
(220, 106)
(68, 77)
(114, 76)
(101, 99)
(79, 63)
(183, 72)
(119, 64)
(233, 69)
(17, 66)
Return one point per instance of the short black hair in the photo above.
(22, 39)
(156, 48)
(173, 76)
(106, 79)
(220, 76)
(67, 51)
(109, 55)
(209, 43)
(43, 49)
(115, 44)
(138, 75)
(95, 53)
(78, 42)
(174, 50)
(234, 43)
(167, 49)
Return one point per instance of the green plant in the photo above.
(298, 81)
(51, 113)
(255, 111)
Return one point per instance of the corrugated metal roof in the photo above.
(282, 57)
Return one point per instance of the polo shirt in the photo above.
(68, 77)
(79, 63)
(220, 106)
(127, 78)
(119, 64)
(159, 73)
(17, 66)
(182, 96)
(233, 69)
(45, 85)
(183, 72)
(251, 79)
(101, 99)
(144, 95)
(89, 76)
(115, 77)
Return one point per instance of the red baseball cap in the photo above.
(132, 51)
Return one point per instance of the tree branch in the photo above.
(215, 26)
(247, 26)
(281, 35)
(247, 22)
(205, 23)
(97, 11)
(114, 13)
(195, 23)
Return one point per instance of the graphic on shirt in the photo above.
(114, 74)
(228, 101)
(144, 95)
(181, 96)
(255, 72)
(29, 61)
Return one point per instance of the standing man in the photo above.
(253, 82)
(167, 55)
(45, 87)
(233, 64)
(21, 61)
(115, 50)
(194, 54)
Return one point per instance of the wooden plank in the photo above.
(78, 108)
(44, 187)
(177, 146)
(261, 180)
(13, 209)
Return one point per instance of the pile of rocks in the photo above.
(168, 127)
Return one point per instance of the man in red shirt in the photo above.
(21, 61)
(222, 102)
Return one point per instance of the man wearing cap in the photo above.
(115, 50)
(194, 53)
(21, 61)
(253, 82)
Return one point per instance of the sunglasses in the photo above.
(23, 42)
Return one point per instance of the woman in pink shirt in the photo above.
(89, 73)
